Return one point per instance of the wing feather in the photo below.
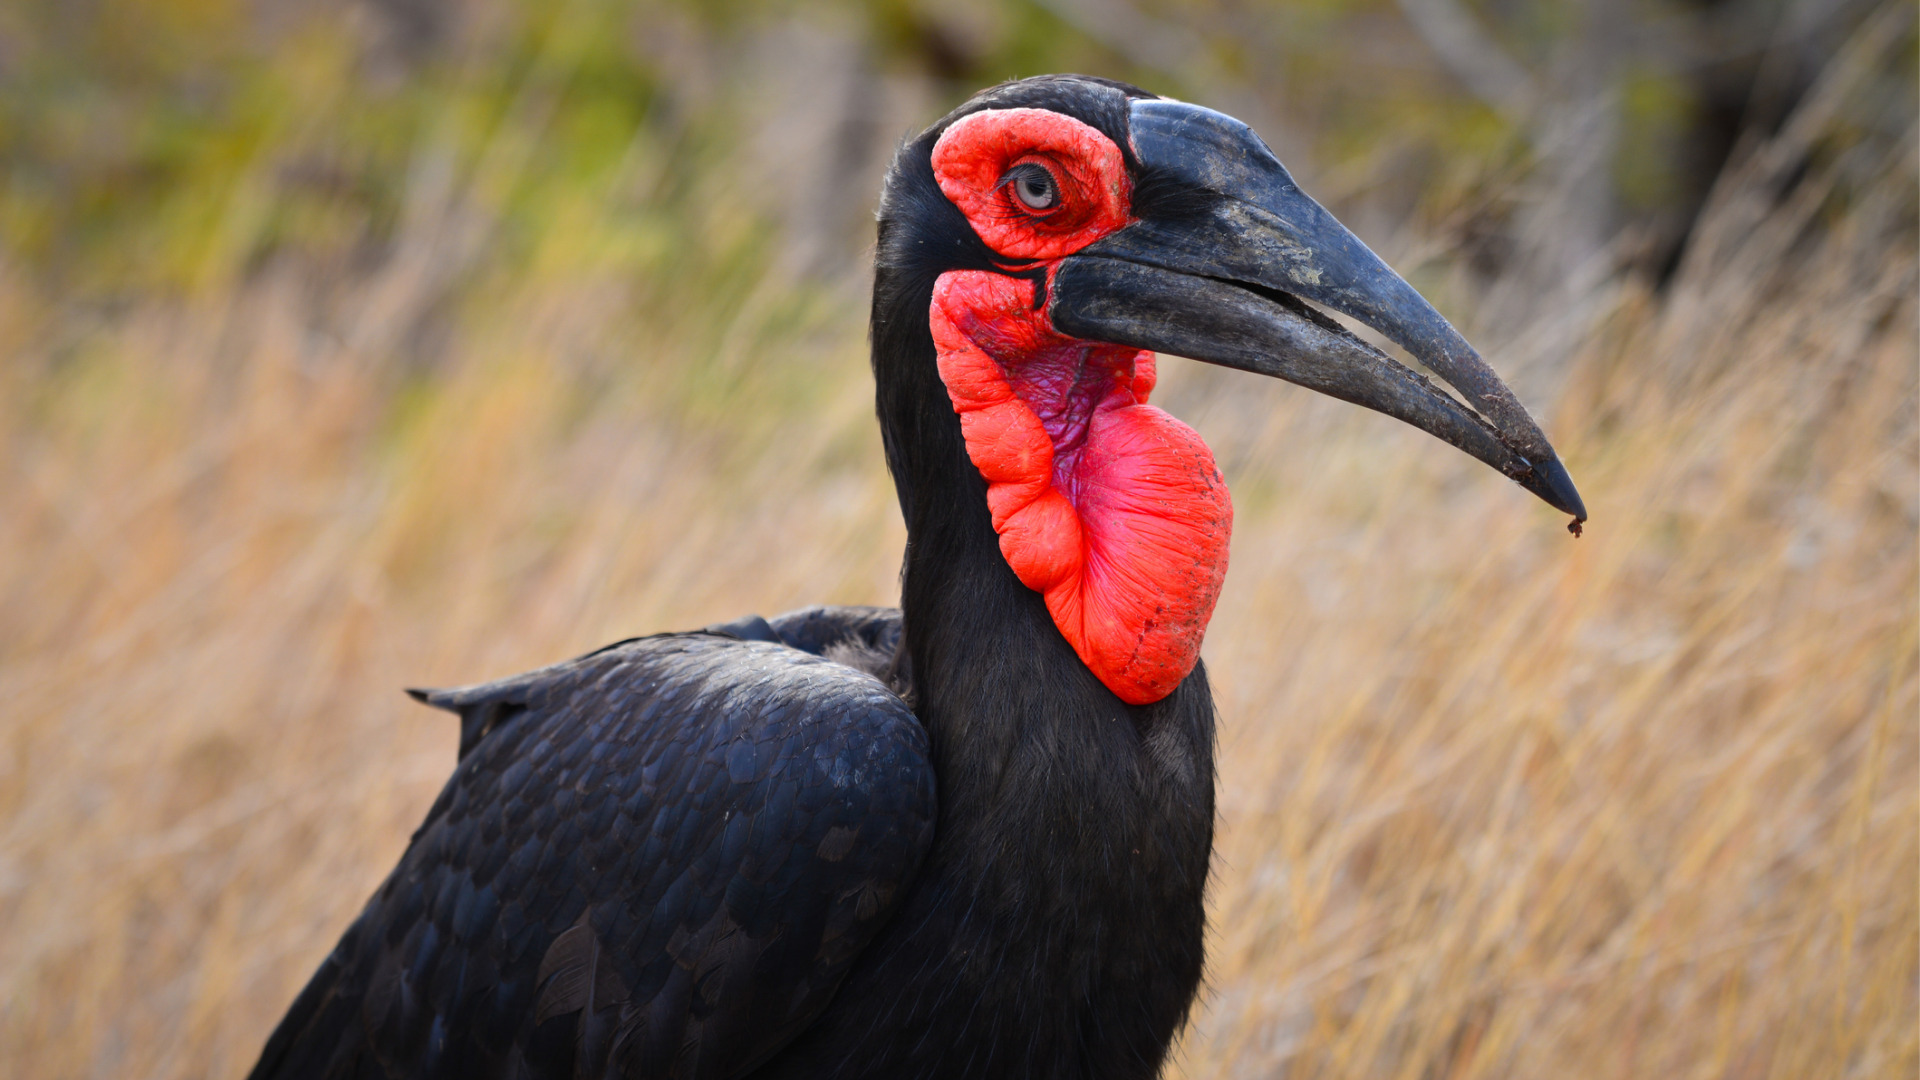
(657, 860)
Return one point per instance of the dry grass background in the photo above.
(1494, 802)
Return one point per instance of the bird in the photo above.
(968, 836)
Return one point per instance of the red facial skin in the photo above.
(1108, 507)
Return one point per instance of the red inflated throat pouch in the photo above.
(1107, 506)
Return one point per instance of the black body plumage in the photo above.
(658, 859)
(718, 854)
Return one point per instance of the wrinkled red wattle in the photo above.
(1110, 508)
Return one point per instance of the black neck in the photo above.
(1055, 928)
(1062, 903)
(1024, 735)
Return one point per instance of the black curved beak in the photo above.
(1226, 249)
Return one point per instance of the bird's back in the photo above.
(658, 859)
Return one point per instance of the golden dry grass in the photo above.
(1494, 802)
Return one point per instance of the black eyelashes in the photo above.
(1033, 187)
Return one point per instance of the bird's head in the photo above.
(1037, 246)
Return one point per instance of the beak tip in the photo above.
(1556, 487)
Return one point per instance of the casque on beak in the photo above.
(1218, 272)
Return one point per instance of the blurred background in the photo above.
(347, 347)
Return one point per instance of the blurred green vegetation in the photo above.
(175, 145)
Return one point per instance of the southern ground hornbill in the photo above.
(968, 837)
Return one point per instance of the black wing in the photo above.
(657, 860)
(865, 638)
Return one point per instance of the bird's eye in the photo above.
(1034, 186)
